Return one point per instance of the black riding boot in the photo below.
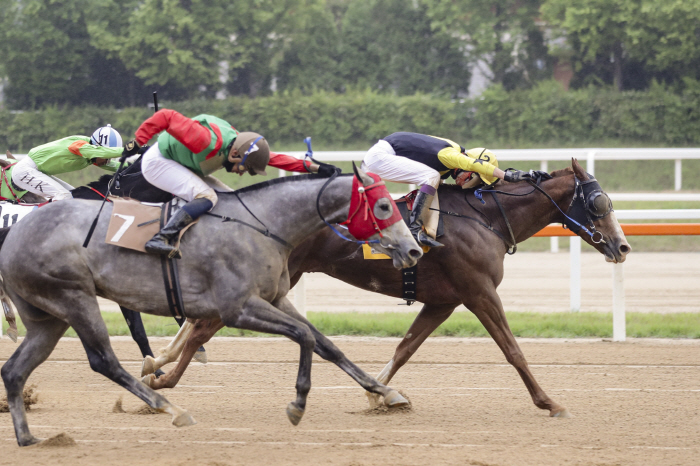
(421, 203)
(160, 243)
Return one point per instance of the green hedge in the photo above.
(544, 116)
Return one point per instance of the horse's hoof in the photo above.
(374, 399)
(560, 412)
(12, 333)
(200, 356)
(148, 380)
(183, 420)
(294, 414)
(28, 441)
(393, 399)
(148, 366)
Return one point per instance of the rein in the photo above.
(265, 232)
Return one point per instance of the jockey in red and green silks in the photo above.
(187, 152)
(421, 159)
(35, 172)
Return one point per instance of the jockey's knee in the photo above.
(62, 196)
(208, 194)
(431, 180)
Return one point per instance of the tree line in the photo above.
(113, 52)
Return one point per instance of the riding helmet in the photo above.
(254, 151)
(106, 136)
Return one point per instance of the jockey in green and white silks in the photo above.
(421, 159)
(35, 172)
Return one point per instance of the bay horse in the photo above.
(233, 268)
(466, 271)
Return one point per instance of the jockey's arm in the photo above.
(452, 158)
(189, 132)
(291, 164)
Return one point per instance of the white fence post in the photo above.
(679, 174)
(554, 244)
(300, 295)
(619, 324)
(575, 253)
(590, 162)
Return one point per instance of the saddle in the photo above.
(133, 222)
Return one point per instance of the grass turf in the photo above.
(461, 324)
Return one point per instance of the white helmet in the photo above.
(107, 137)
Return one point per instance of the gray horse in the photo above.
(228, 271)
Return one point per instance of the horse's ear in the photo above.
(362, 176)
(578, 170)
(5, 163)
(9, 155)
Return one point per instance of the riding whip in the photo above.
(122, 159)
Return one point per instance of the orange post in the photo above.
(635, 229)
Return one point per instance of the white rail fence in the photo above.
(590, 155)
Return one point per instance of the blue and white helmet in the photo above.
(107, 137)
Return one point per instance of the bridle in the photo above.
(589, 203)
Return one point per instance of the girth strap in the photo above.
(171, 277)
(410, 279)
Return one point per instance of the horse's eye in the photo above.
(383, 209)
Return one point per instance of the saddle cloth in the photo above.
(133, 222)
(403, 205)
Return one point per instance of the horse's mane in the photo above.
(275, 181)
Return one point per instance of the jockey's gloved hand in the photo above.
(143, 149)
(540, 175)
(515, 176)
(130, 148)
(326, 170)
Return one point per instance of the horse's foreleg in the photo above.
(260, 316)
(138, 333)
(202, 332)
(428, 319)
(493, 318)
(169, 353)
(42, 337)
(328, 351)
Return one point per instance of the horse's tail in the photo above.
(5, 299)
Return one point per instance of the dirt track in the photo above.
(634, 403)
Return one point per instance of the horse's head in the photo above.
(374, 216)
(592, 208)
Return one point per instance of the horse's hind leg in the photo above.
(328, 351)
(260, 316)
(489, 311)
(43, 332)
(202, 333)
(91, 329)
(169, 353)
(430, 317)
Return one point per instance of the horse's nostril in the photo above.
(625, 249)
(415, 253)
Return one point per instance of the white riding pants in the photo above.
(383, 161)
(27, 176)
(174, 178)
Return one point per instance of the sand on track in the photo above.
(634, 403)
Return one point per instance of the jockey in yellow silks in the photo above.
(421, 160)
